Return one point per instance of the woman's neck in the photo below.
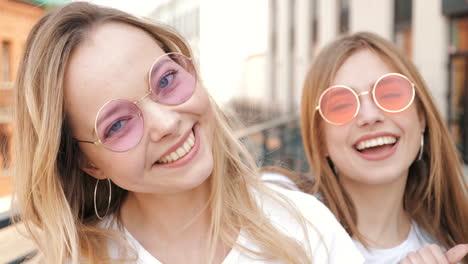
(382, 219)
(167, 225)
(167, 214)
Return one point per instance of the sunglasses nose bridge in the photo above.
(370, 96)
(363, 93)
(143, 98)
(369, 112)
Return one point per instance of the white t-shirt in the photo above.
(279, 179)
(336, 247)
(417, 238)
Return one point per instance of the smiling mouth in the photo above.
(180, 152)
(374, 144)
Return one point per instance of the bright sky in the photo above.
(136, 7)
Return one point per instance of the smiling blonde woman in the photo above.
(123, 156)
(382, 157)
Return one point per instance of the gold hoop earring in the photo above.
(421, 150)
(108, 203)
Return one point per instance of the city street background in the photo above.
(253, 56)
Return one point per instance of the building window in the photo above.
(402, 33)
(343, 16)
(459, 35)
(314, 22)
(458, 89)
(6, 64)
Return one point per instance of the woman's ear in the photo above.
(87, 166)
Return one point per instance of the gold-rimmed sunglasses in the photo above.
(392, 93)
(119, 124)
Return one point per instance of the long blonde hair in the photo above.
(436, 191)
(55, 197)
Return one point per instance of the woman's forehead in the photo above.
(114, 42)
(112, 54)
(112, 62)
(361, 70)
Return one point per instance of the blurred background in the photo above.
(253, 56)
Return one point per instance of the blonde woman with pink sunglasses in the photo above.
(123, 157)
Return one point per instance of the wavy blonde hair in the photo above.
(55, 197)
(436, 190)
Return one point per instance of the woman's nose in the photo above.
(160, 120)
(369, 113)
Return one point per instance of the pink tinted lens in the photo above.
(173, 79)
(338, 104)
(119, 125)
(393, 93)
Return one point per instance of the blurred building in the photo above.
(259, 51)
(16, 19)
(184, 17)
(434, 34)
(229, 40)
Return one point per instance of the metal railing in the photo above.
(276, 143)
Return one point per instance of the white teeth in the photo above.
(376, 142)
(186, 147)
(174, 156)
(180, 152)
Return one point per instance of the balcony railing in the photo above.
(276, 143)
